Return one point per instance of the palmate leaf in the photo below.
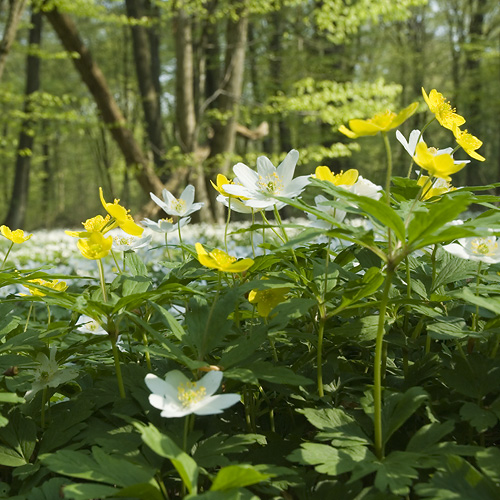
(430, 217)
(488, 460)
(458, 480)
(19, 440)
(480, 418)
(164, 446)
(237, 476)
(329, 460)
(399, 407)
(336, 425)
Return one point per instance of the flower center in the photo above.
(484, 246)
(178, 205)
(188, 394)
(271, 184)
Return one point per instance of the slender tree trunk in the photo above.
(20, 191)
(146, 57)
(222, 144)
(185, 106)
(473, 78)
(15, 12)
(95, 81)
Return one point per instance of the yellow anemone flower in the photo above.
(438, 165)
(267, 300)
(96, 246)
(217, 259)
(96, 224)
(122, 216)
(16, 236)
(58, 286)
(381, 122)
(347, 178)
(442, 110)
(437, 188)
(468, 143)
(221, 180)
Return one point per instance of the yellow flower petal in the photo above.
(16, 236)
(440, 166)
(217, 259)
(122, 216)
(442, 109)
(469, 143)
(58, 286)
(381, 122)
(267, 300)
(96, 246)
(347, 178)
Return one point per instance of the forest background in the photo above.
(134, 95)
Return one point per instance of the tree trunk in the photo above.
(20, 189)
(223, 142)
(146, 57)
(96, 83)
(9, 35)
(185, 106)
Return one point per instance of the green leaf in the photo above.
(398, 408)
(49, 490)
(19, 438)
(10, 397)
(363, 329)
(169, 320)
(162, 445)
(208, 325)
(488, 460)
(88, 491)
(75, 464)
(458, 480)
(448, 328)
(330, 460)
(243, 347)
(336, 425)
(237, 476)
(263, 370)
(430, 217)
(397, 472)
(428, 435)
(141, 491)
(135, 265)
(480, 418)
(212, 451)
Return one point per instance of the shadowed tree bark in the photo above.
(145, 43)
(15, 12)
(19, 200)
(96, 83)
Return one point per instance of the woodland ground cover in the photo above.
(353, 354)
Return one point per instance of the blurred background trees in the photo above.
(133, 95)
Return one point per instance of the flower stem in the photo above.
(101, 279)
(44, 402)
(6, 255)
(146, 352)
(180, 239)
(28, 318)
(377, 369)
(319, 355)
(116, 262)
(388, 175)
(118, 369)
(227, 223)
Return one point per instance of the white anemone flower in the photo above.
(165, 225)
(49, 373)
(323, 206)
(482, 249)
(86, 324)
(235, 204)
(414, 138)
(364, 187)
(125, 242)
(258, 189)
(181, 207)
(177, 396)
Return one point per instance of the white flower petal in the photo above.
(160, 203)
(211, 381)
(264, 167)
(215, 404)
(168, 197)
(246, 176)
(286, 168)
(457, 250)
(296, 186)
(188, 195)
